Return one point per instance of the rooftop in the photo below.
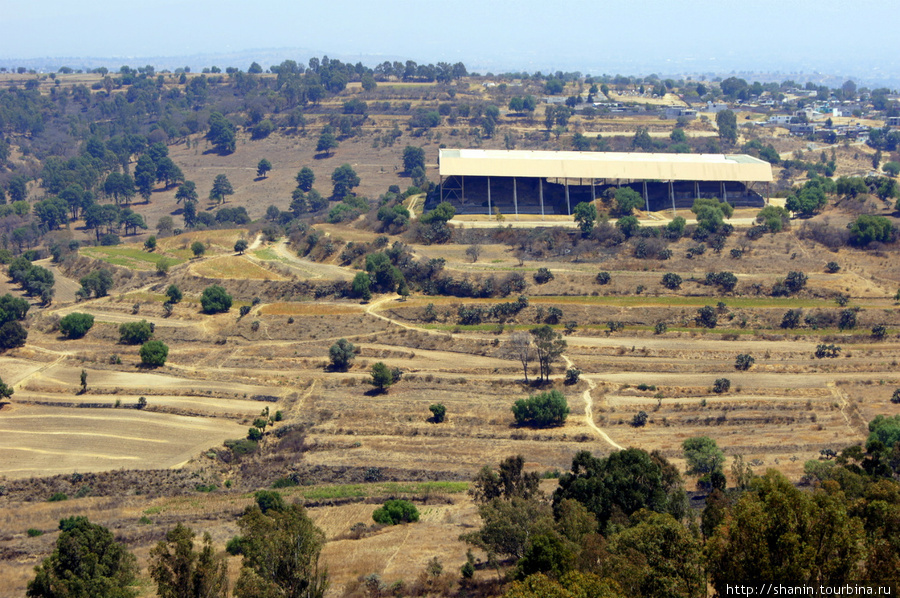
(604, 165)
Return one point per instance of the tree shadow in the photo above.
(374, 392)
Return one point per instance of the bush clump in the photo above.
(396, 511)
(154, 353)
(545, 409)
(76, 325)
(135, 333)
(215, 300)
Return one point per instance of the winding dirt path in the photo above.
(589, 409)
(371, 309)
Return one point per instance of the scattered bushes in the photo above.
(572, 376)
(830, 351)
(706, 317)
(603, 278)
(721, 385)
(640, 419)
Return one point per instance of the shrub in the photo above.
(791, 318)
(572, 375)
(76, 325)
(706, 317)
(58, 497)
(198, 248)
(615, 325)
(342, 354)
(660, 328)
(721, 385)
(879, 331)
(215, 300)
(743, 362)
(545, 409)
(34, 533)
(726, 281)
(438, 412)
(640, 419)
(895, 398)
(135, 333)
(554, 315)
(670, 280)
(254, 434)
(393, 512)
(154, 353)
(543, 275)
(832, 267)
(174, 294)
(824, 350)
(847, 320)
(603, 278)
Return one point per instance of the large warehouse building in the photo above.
(479, 181)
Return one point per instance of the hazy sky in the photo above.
(854, 38)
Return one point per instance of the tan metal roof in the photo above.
(604, 165)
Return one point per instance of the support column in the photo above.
(462, 192)
(541, 194)
(646, 198)
(722, 188)
(489, 196)
(441, 186)
(696, 190)
(515, 198)
(672, 197)
(568, 207)
(593, 192)
(724, 192)
(767, 192)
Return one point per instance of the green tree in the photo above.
(541, 410)
(726, 121)
(180, 571)
(145, 176)
(382, 377)
(281, 550)
(154, 353)
(671, 280)
(509, 525)
(174, 294)
(306, 179)
(198, 248)
(707, 317)
(187, 191)
(807, 202)
(774, 218)
(215, 300)
(703, 456)
(135, 333)
(76, 325)
(585, 215)
(222, 134)
(97, 283)
(362, 286)
(868, 229)
(438, 412)
(87, 562)
(221, 189)
(345, 180)
(240, 246)
(658, 556)
(782, 534)
(549, 347)
(413, 157)
(624, 482)
(393, 512)
(628, 225)
(263, 168)
(627, 200)
(327, 142)
(509, 481)
(6, 391)
(342, 354)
